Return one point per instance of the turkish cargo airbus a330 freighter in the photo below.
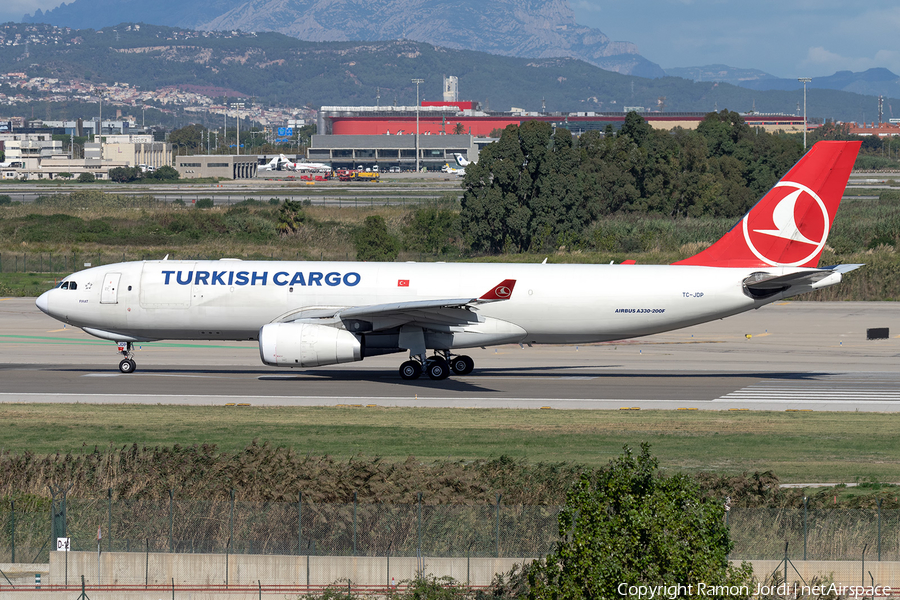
(309, 314)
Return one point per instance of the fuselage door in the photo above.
(110, 292)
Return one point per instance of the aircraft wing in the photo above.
(443, 312)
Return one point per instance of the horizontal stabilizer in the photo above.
(762, 282)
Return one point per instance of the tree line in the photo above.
(537, 188)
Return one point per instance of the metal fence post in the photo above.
(231, 519)
(805, 525)
(497, 526)
(419, 527)
(12, 527)
(355, 505)
(171, 520)
(879, 529)
(109, 524)
(299, 522)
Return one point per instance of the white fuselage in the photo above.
(552, 304)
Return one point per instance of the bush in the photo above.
(205, 203)
(374, 242)
(166, 173)
(5, 200)
(125, 174)
(86, 178)
(628, 523)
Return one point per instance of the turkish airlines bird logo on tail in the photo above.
(794, 232)
(789, 225)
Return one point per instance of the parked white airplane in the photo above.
(307, 314)
(453, 170)
(283, 163)
(462, 162)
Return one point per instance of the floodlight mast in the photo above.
(804, 81)
(417, 82)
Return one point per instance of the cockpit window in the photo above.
(73, 285)
(63, 285)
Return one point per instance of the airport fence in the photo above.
(32, 526)
(815, 534)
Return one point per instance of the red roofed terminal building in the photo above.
(439, 118)
(350, 134)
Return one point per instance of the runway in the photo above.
(786, 356)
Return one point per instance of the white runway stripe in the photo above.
(827, 388)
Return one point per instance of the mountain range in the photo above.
(277, 70)
(873, 82)
(521, 28)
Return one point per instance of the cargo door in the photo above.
(110, 292)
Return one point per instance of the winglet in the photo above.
(501, 291)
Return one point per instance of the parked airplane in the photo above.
(283, 163)
(452, 170)
(462, 162)
(307, 314)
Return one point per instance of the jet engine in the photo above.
(307, 345)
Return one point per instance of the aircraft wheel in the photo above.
(127, 365)
(462, 365)
(438, 368)
(411, 369)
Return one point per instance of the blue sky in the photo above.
(787, 38)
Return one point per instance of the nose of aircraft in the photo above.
(43, 302)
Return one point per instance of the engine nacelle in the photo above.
(307, 345)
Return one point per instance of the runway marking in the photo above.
(880, 387)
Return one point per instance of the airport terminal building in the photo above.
(444, 118)
(387, 151)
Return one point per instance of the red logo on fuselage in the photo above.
(790, 228)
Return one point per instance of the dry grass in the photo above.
(798, 447)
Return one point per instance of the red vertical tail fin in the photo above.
(789, 226)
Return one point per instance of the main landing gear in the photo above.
(437, 367)
(127, 350)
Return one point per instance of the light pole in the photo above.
(804, 81)
(417, 82)
(100, 136)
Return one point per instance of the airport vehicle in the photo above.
(452, 170)
(308, 314)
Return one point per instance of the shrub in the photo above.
(86, 178)
(205, 203)
(166, 173)
(374, 242)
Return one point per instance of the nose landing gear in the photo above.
(437, 367)
(127, 350)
